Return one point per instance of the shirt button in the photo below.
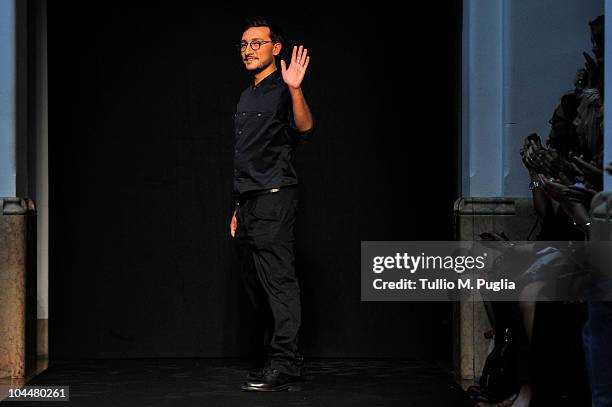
(258, 114)
(236, 151)
(239, 131)
(244, 114)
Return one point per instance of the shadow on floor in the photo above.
(216, 382)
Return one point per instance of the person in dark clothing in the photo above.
(272, 116)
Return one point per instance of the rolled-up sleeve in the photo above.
(303, 135)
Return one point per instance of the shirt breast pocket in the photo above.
(251, 123)
(249, 115)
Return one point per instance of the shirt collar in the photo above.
(266, 79)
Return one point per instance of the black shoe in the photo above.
(255, 374)
(272, 380)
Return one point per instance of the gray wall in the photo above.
(608, 103)
(519, 58)
(7, 98)
(23, 118)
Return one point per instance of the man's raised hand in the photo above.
(294, 74)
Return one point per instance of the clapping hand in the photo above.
(590, 171)
(530, 153)
(581, 194)
(554, 189)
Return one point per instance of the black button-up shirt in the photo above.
(265, 136)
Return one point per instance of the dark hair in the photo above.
(275, 33)
(590, 117)
(597, 28)
(599, 21)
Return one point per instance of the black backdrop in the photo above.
(141, 104)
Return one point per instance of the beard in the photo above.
(260, 67)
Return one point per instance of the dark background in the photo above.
(141, 104)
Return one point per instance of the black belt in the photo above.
(245, 196)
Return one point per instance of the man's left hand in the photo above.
(294, 75)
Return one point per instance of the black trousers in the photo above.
(265, 239)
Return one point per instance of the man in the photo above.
(271, 117)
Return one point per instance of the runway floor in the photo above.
(216, 382)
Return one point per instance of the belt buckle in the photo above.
(273, 190)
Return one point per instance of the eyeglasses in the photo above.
(255, 45)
